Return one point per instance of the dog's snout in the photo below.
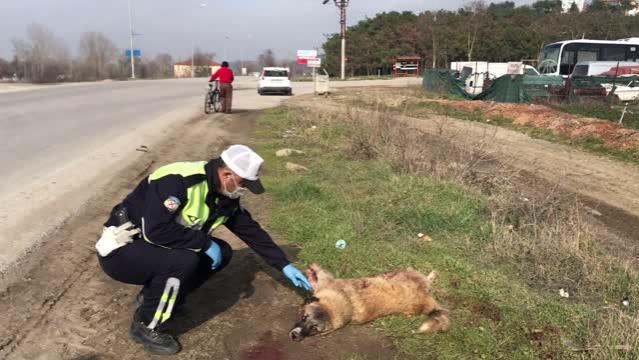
(296, 334)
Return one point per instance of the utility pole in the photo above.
(131, 34)
(342, 4)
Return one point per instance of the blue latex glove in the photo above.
(215, 253)
(297, 277)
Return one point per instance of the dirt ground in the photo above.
(59, 305)
(611, 134)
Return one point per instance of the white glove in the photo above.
(115, 237)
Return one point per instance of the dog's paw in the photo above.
(432, 277)
(426, 328)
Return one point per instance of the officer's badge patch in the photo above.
(172, 204)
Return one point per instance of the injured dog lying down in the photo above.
(337, 302)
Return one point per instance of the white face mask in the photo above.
(239, 191)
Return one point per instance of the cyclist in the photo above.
(225, 74)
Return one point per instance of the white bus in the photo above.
(561, 57)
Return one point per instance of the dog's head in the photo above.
(314, 319)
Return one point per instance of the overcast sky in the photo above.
(232, 29)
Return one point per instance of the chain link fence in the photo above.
(614, 98)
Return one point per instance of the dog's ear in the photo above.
(319, 274)
(311, 274)
(310, 300)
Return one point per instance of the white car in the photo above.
(624, 91)
(275, 80)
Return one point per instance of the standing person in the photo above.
(159, 237)
(225, 74)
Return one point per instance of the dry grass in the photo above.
(544, 234)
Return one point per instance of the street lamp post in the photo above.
(131, 35)
(342, 4)
(202, 4)
(226, 44)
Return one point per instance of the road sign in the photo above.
(314, 63)
(136, 52)
(306, 54)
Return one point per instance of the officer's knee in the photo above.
(227, 253)
(188, 261)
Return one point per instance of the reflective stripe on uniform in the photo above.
(167, 301)
(147, 239)
(219, 221)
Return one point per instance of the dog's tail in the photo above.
(438, 321)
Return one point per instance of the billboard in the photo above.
(304, 55)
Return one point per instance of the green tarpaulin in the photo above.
(507, 88)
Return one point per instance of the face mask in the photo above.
(239, 191)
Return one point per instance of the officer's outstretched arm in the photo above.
(250, 231)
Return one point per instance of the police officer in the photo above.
(158, 236)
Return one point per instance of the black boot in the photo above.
(154, 341)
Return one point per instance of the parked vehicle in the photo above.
(627, 91)
(623, 89)
(481, 73)
(560, 58)
(275, 80)
(606, 68)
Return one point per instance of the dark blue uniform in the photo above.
(176, 207)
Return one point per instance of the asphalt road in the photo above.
(60, 143)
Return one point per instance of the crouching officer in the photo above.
(158, 236)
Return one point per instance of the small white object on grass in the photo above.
(287, 152)
(340, 244)
(563, 293)
(424, 237)
(295, 167)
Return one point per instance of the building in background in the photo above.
(183, 69)
(407, 66)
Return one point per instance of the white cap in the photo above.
(246, 163)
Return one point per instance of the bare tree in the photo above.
(44, 58)
(161, 67)
(202, 61)
(165, 65)
(22, 58)
(7, 69)
(475, 10)
(266, 59)
(97, 52)
(49, 55)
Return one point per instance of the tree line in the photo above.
(43, 58)
(497, 32)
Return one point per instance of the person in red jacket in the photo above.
(226, 88)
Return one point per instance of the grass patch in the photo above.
(499, 280)
(603, 111)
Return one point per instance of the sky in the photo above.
(234, 30)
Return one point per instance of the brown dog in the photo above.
(337, 302)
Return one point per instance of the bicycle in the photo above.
(212, 99)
